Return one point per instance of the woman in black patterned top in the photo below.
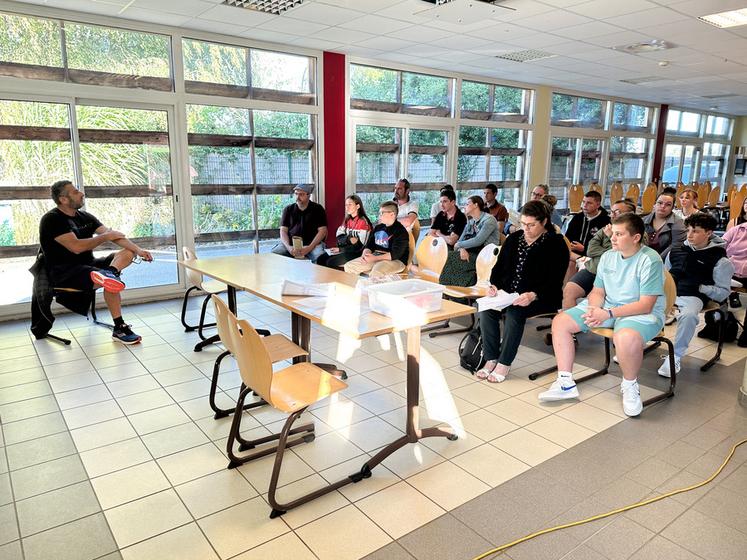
(532, 263)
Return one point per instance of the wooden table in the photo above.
(263, 274)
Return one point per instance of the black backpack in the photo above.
(470, 351)
(710, 331)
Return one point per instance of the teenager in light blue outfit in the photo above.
(628, 297)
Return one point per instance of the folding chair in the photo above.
(290, 390)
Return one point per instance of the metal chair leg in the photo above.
(64, 341)
(672, 380)
(223, 412)
(187, 328)
(202, 324)
(94, 318)
(605, 368)
(721, 323)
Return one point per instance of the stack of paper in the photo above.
(498, 301)
(295, 289)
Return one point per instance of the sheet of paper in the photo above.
(291, 288)
(500, 301)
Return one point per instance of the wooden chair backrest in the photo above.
(648, 198)
(714, 196)
(670, 292)
(415, 229)
(633, 193)
(597, 187)
(411, 253)
(248, 350)
(194, 278)
(486, 259)
(730, 193)
(704, 192)
(736, 203)
(616, 193)
(432, 254)
(575, 196)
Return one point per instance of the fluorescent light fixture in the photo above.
(275, 7)
(733, 18)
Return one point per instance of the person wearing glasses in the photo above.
(539, 191)
(532, 263)
(582, 282)
(664, 229)
(387, 249)
(460, 268)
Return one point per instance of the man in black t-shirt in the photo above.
(304, 219)
(68, 237)
(450, 222)
(388, 248)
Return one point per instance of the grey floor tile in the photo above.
(11, 551)
(725, 506)
(545, 547)
(8, 524)
(33, 428)
(6, 496)
(84, 539)
(660, 548)
(737, 481)
(652, 472)
(583, 552)
(56, 508)
(392, 551)
(706, 537)
(28, 408)
(620, 539)
(3, 461)
(657, 515)
(40, 450)
(444, 538)
(44, 477)
(25, 391)
(680, 454)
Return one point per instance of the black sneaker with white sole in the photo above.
(124, 334)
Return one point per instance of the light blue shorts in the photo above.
(648, 326)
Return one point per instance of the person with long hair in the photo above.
(688, 203)
(532, 263)
(663, 227)
(481, 229)
(740, 218)
(736, 250)
(352, 235)
(628, 297)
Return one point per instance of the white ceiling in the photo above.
(706, 64)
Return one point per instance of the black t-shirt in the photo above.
(55, 223)
(446, 226)
(304, 223)
(393, 239)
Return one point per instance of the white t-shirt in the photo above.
(406, 208)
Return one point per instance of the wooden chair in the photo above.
(597, 187)
(575, 196)
(733, 189)
(670, 292)
(290, 390)
(714, 196)
(616, 193)
(648, 199)
(633, 193)
(411, 247)
(195, 281)
(415, 230)
(278, 347)
(737, 200)
(431, 256)
(484, 264)
(703, 191)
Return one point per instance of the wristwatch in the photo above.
(609, 312)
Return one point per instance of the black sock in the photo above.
(118, 322)
(114, 269)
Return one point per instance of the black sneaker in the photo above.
(734, 302)
(125, 335)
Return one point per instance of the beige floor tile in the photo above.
(110, 458)
(447, 448)
(327, 450)
(527, 447)
(560, 431)
(178, 375)
(285, 547)
(411, 459)
(413, 509)
(486, 426)
(609, 401)
(258, 472)
(444, 407)
(104, 433)
(371, 434)
(214, 492)
(387, 376)
(346, 534)
(82, 397)
(158, 419)
(242, 527)
(311, 510)
(341, 414)
(489, 464)
(517, 411)
(193, 463)
(173, 440)
(380, 478)
(129, 484)
(589, 417)
(380, 401)
(480, 394)
(144, 518)
(514, 386)
(448, 485)
(92, 414)
(185, 543)
(148, 400)
(74, 381)
(133, 386)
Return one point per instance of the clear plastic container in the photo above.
(396, 299)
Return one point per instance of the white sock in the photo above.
(628, 383)
(565, 376)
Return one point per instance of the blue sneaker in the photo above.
(108, 280)
(125, 335)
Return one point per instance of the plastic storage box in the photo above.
(396, 299)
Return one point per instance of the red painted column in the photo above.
(334, 141)
(661, 132)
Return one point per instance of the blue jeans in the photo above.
(316, 252)
(687, 321)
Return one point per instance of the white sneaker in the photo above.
(664, 370)
(614, 359)
(560, 391)
(632, 404)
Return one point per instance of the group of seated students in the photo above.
(620, 260)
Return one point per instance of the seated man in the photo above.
(387, 249)
(451, 221)
(67, 239)
(436, 206)
(702, 272)
(493, 207)
(305, 219)
(407, 210)
(628, 296)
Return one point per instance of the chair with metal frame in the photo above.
(197, 282)
(290, 390)
(431, 256)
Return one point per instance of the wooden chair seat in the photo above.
(471, 292)
(281, 348)
(300, 385)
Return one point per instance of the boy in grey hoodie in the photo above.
(702, 273)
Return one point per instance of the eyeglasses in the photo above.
(386, 212)
(615, 212)
(529, 225)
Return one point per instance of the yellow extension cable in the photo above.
(613, 512)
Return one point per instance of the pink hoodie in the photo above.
(736, 249)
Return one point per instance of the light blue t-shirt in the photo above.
(625, 280)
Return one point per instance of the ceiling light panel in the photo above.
(274, 7)
(733, 18)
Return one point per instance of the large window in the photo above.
(638, 118)
(378, 163)
(628, 160)
(574, 161)
(577, 112)
(395, 91)
(482, 101)
(683, 123)
(35, 151)
(233, 71)
(33, 48)
(713, 164)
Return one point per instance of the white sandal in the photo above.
(495, 377)
(486, 371)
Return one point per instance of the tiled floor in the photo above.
(112, 452)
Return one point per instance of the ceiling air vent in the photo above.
(643, 80)
(275, 7)
(721, 95)
(653, 45)
(526, 56)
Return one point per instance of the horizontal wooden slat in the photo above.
(94, 78)
(100, 136)
(493, 117)
(42, 133)
(209, 88)
(284, 96)
(473, 185)
(483, 151)
(376, 147)
(107, 191)
(243, 91)
(427, 111)
(283, 143)
(389, 187)
(31, 71)
(225, 140)
(369, 105)
(215, 189)
(429, 150)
